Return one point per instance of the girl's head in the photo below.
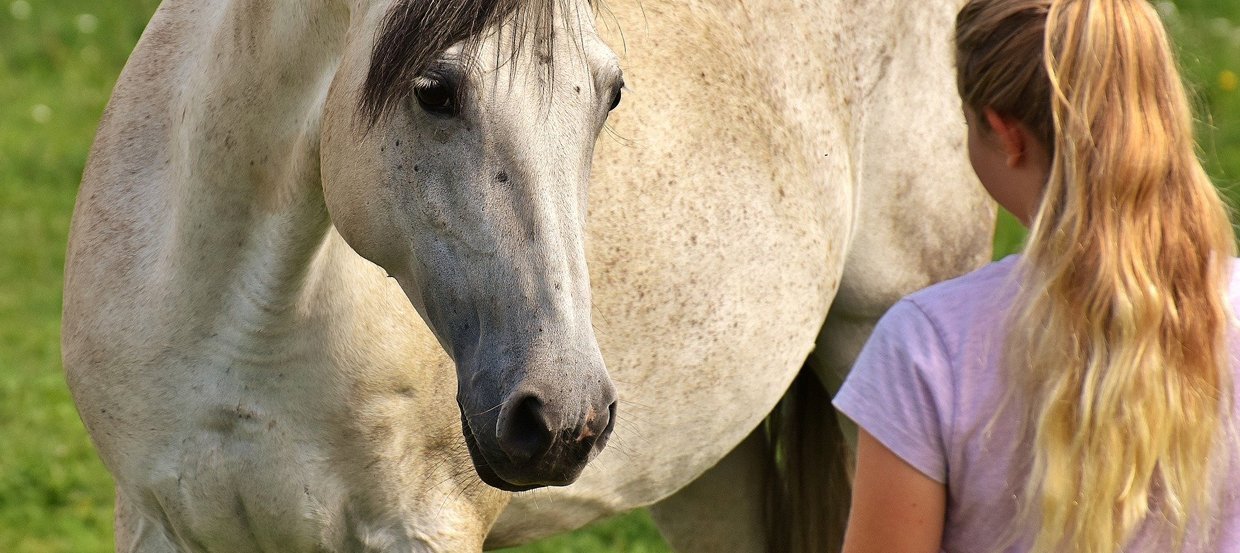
(1116, 350)
(1006, 93)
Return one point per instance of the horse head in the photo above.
(456, 153)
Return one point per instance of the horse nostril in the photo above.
(611, 423)
(526, 433)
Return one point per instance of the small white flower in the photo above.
(20, 10)
(1221, 27)
(41, 114)
(87, 23)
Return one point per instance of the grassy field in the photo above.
(58, 61)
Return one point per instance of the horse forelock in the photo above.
(415, 32)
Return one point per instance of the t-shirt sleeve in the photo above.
(900, 389)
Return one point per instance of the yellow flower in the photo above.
(1228, 81)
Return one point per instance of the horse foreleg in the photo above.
(136, 533)
(722, 510)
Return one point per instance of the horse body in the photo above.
(255, 385)
(782, 159)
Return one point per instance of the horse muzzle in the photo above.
(535, 438)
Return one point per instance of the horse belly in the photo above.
(713, 264)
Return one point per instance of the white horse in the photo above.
(255, 381)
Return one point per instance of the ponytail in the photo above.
(1116, 355)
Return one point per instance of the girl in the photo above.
(1078, 398)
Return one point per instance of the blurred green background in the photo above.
(58, 62)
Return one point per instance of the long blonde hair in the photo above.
(1117, 352)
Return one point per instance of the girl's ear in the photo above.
(1012, 136)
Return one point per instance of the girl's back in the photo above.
(932, 391)
(1080, 398)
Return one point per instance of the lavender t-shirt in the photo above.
(927, 385)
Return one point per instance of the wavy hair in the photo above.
(1116, 353)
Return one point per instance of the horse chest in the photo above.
(235, 481)
(257, 458)
(221, 463)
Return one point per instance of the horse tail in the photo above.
(808, 474)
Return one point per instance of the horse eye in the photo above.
(615, 100)
(436, 97)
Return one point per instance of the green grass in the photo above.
(58, 62)
(56, 71)
(631, 533)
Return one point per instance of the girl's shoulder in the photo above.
(906, 386)
(981, 298)
(934, 331)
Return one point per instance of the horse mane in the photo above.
(415, 32)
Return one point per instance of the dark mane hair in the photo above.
(415, 32)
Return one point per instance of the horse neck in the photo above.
(248, 209)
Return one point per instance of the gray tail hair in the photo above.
(809, 484)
